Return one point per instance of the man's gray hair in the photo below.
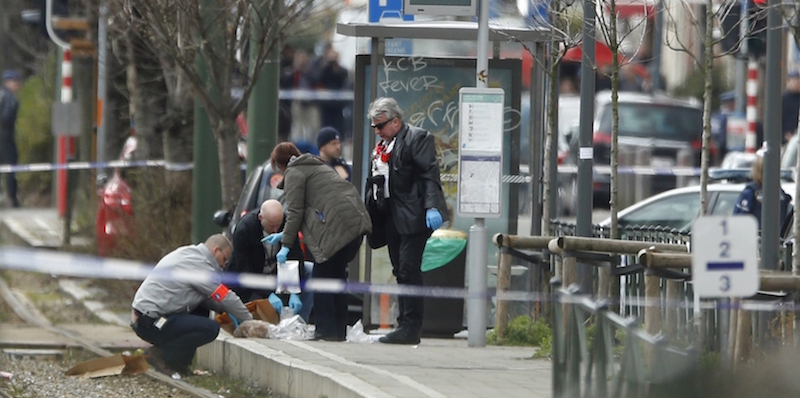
(385, 106)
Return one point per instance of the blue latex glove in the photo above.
(276, 302)
(295, 304)
(234, 320)
(433, 219)
(273, 238)
(281, 256)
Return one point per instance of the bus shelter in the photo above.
(426, 88)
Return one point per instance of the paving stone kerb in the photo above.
(435, 368)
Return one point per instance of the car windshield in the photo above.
(669, 122)
(789, 157)
(677, 211)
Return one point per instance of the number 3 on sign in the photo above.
(724, 283)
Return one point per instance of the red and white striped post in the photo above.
(63, 142)
(750, 144)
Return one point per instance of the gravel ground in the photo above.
(33, 378)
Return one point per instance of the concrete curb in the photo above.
(252, 361)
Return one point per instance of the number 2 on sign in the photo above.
(724, 283)
(724, 246)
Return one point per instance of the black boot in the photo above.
(401, 335)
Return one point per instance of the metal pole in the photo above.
(770, 216)
(770, 223)
(585, 141)
(741, 62)
(262, 106)
(206, 190)
(102, 52)
(478, 234)
(658, 32)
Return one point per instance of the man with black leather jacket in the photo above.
(414, 204)
(251, 255)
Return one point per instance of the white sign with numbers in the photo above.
(725, 256)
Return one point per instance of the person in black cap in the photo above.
(790, 100)
(719, 122)
(330, 151)
(8, 118)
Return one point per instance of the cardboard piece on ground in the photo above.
(261, 310)
(109, 366)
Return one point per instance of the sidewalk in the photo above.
(435, 368)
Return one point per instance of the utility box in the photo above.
(443, 264)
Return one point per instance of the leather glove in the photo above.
(273, 238)
(433, 219)
(281, 256)
(276, 302)
(295, 304)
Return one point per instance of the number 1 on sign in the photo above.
(724, 224)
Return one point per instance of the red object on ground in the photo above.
(114, 213)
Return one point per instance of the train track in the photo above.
(22, 311)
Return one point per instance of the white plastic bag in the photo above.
(288, 277)
(356, 334)
(292, 328)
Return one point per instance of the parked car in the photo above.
(568, 115)
(665, 125)
(789, 154)
(678, 208)
(260, 186)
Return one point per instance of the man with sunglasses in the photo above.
(405, 180)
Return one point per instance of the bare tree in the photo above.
(703, 26)
(203, 45)
(607, 26)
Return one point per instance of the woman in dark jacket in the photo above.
(330, 213)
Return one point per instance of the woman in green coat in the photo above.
(329, 212)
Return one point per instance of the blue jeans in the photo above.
(179, 337)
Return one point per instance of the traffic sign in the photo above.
(725, 256)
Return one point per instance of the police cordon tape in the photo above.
(93, 267)
(448, 177)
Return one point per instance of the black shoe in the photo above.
(321, 337)
(400, 336)
(154, 359)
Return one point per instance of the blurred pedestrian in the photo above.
(286, 82)
(330, 151)
(161, 306)
(719, 122)
(329, 212)
(333, 77)
(252, 256)
(790, 101)
(749, 201)
(405, 178)
(9, 106)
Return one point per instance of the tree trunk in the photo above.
(227, 136)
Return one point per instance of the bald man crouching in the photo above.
(251, 255)
(162, 304)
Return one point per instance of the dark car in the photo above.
(260, 186)
(670, 128)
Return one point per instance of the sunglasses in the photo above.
(381, 124)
